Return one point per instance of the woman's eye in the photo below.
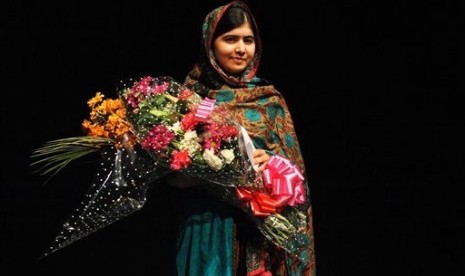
(249, 41)
(230, 39)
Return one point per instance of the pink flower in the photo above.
(212, 143)
(160, 88)
(185, 94)
(180, 159)
(143, 86)
(158, 138)
(188, 122)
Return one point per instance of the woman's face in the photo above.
(234, 50)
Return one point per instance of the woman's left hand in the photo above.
(260, 158)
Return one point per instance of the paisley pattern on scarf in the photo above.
(263, 112)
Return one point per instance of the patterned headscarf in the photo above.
(208, 30)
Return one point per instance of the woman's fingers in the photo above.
(260, 159)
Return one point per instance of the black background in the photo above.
(373, 91)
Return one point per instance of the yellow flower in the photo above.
(107, 119)
(95, 100)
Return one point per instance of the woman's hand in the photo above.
(260, 158)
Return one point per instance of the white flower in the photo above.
(190, 142)
(212, 160)
(176, 127)
(228, 155)
(191, 135)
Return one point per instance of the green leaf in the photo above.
(55, 155)
(159, 113)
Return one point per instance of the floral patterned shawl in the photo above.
(255, 104)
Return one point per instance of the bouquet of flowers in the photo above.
(157, 126)
(185, 133)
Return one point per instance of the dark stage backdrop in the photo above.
(371, 86)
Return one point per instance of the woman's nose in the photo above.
(240, 48)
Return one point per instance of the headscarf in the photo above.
(207, 55)
(253, 102)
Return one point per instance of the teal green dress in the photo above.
(205, 241)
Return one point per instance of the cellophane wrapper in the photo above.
(176, 132)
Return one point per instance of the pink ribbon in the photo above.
(284, 181)
(204, 109)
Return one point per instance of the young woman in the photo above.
(216, 238)
(219, 233)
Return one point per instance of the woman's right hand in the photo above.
(260, 158)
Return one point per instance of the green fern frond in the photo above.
(55, 155)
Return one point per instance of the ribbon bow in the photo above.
(261, 203)
(284, 181)
(204, 109)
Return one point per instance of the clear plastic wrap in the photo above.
(157, 127)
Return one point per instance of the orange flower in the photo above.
(95, 100)
(108, 119)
